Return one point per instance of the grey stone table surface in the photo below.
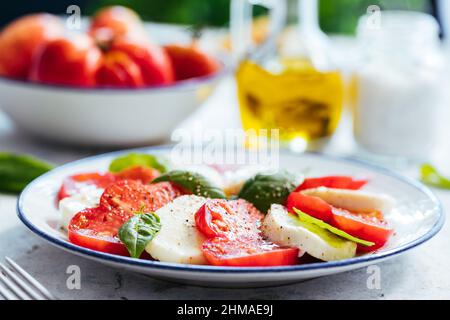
(423, 273)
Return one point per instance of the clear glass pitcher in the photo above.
(288, 82)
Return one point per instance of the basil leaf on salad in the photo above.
(431, 176)
(16, 171)
(138, 159)
(192, 182)
(308, 219)
(263, 190)
(138, 231)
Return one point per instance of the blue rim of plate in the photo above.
(213, 269)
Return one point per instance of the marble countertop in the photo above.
(419, 274)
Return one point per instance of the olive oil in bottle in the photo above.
(300, 101)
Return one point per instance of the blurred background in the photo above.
(403, 70)
(338, 17)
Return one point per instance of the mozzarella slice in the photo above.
(178, 241)
(358, 201)
(70, 206)
(285, 229)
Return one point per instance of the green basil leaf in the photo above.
(431, 176)
(308, 219)
(192, 182)
(138, 159)
(16, 171)
(264, 190)
(138, 231)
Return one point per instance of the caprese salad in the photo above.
(143, 208)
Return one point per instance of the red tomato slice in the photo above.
(313, 206)
(97, 228)
(221, 251)
(235, 238)
(370, 227)
(336, 182)
(138, 173)
(133, 196)
(228, 218)
(366, 226)
(74, 184)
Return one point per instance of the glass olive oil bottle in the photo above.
(292, 86)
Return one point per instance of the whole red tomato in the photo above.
(130, 63)
(190, 62)
(155, 65)
(117, 21)
(118, 69)
(22, 38)
(67, 61)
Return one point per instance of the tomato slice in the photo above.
(234, 236)
(366, 226)
(335, 182)
(74, 184)
(138, 173)
(228, 218)
(313, 206)
(221, 251)
(133, 196)
(97, 228)
(370, 227)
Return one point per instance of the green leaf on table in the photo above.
(192, 182)
(16, 171)
(308, 219)
(138, 159)
(431, 176)
(263, 190)
(138, 231)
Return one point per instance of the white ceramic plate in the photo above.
(416, 219)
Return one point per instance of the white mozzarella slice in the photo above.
(70, 206)
(178, 241)
(285, 229)
(358, 201)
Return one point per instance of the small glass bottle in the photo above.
(289, 83)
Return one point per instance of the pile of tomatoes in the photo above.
(115, 51)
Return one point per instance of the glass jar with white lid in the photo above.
(399, 87)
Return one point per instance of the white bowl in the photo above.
(103, 117)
